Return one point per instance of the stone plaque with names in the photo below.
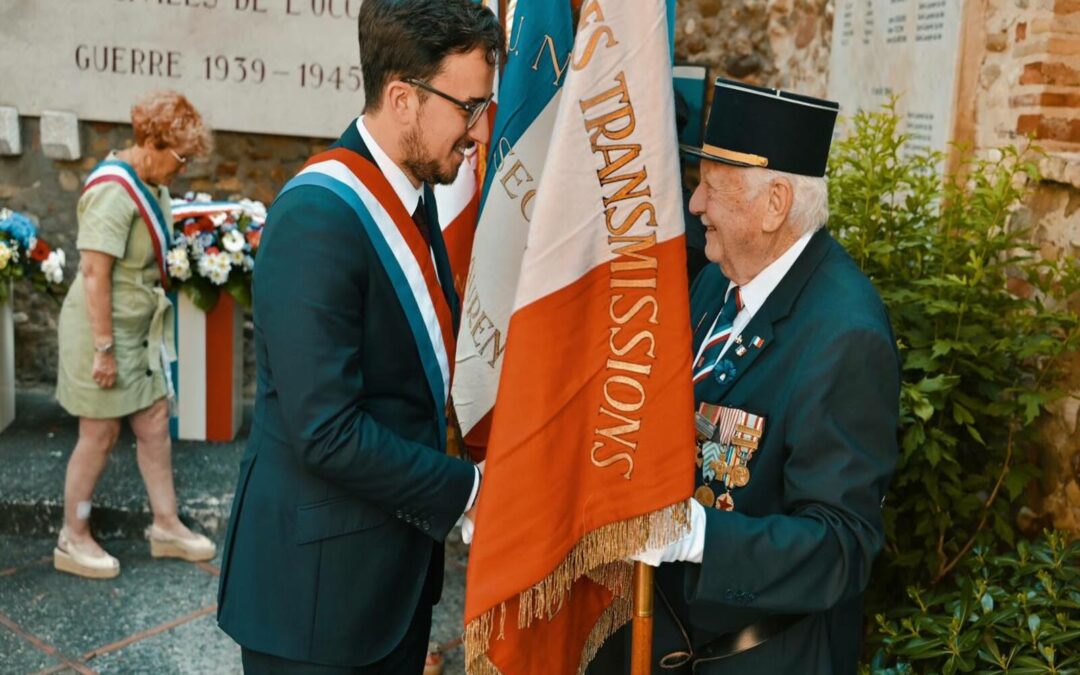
(267, 66)
(907, 48)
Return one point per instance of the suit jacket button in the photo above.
(427, 526)
(149, 372)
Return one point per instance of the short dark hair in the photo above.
(410, 38)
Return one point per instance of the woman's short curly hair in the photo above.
(166, 119)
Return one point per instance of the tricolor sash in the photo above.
(403, 254)
(115, 171)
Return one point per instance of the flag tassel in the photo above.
(600, 555)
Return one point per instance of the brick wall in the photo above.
(1032, 74)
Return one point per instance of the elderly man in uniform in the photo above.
(796, 383)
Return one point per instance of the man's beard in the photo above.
(421, 165)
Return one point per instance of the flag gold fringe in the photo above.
(601, 556)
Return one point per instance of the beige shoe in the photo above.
(68, 558)
(164, 545)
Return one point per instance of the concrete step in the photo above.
(34, 452)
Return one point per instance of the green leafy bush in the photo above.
(980, 361)
(1017, 614)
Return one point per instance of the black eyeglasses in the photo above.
(474, 110)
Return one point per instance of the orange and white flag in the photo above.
(590, 456)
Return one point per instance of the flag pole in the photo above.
(641, 647)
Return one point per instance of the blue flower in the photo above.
(19, 228)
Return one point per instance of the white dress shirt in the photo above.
(410, 196)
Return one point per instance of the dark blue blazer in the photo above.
(345, 491)
(806, 528)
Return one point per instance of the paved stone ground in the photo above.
(158, 615)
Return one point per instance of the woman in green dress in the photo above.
(115, 332)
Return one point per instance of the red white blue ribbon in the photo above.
(403, 253)
(115, 171)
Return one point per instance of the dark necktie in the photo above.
(419, 217)
(718, 337)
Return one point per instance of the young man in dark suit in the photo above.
(797, 393)
(333, 557)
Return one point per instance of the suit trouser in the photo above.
(406, 659)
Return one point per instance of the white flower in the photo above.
(53, 266)
(257, 210)
(236, 258)
(215, 267)
(5, 255)
(233, 241)
(179, 264)
(203, 197)
(218, 219)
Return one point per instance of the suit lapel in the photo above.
(758, 336)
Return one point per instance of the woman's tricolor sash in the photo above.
(403, 253)
(115, 171)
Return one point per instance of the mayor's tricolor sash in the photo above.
(115, 171)
(403, 254)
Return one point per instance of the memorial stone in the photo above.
(904, 48)
(263, 66)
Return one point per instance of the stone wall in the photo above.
(242, 165)
(1053, 213)
(778, 43)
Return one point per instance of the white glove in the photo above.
(467, 525)
(467, 529)
(688, 549)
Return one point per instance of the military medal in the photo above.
(725, 454)
(705, 496)
(740, 351)
(710, 454)
(740, 476)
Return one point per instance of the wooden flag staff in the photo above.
(641, 647)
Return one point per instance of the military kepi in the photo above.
(754, 126)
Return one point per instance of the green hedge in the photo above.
(982, 323)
